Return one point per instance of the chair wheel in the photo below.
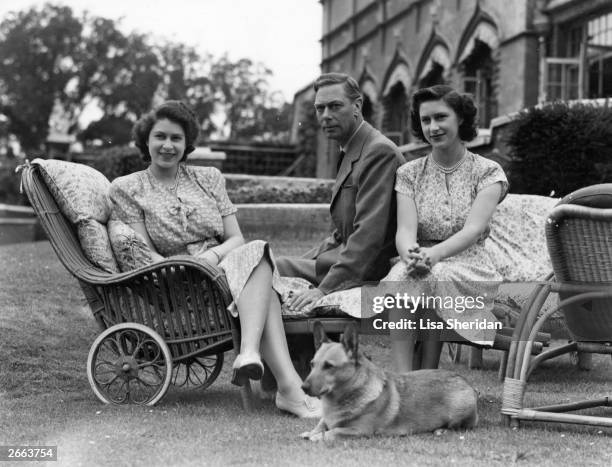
(129, 363)
(197, 372)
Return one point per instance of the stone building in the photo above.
(509, 54)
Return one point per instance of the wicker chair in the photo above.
(579, 238)
(163, 323)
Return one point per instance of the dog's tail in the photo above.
(472, 419)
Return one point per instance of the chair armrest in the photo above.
(180, 284)
(211, 272)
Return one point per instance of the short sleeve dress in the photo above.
(189, 221)
(443, 202)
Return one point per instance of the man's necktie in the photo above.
(340, 157)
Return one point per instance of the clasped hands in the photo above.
(419, 260)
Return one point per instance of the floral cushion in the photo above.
(517, 242)
(96, 245)
(81, 194)
(80, 191)
(131, 250)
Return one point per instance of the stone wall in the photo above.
(284, 221)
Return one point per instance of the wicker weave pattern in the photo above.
(579, 241)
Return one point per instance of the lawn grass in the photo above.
(46, 330)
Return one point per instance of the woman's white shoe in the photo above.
(245, 368)
(308, 407)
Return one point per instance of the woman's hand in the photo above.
(210, 257)
(420, 260)
(411, 255)
(303, 300)
(430, 256)
(156, 257)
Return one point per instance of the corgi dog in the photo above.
(360, 399)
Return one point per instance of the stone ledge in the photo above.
(299, 221)
(12, 210)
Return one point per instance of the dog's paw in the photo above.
(319, 436)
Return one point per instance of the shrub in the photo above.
(115, 161)
(253, 193)
(9, 184)
(560, 148)
(307, 140)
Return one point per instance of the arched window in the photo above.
(395, 120)
(478, 72)
(434, 76)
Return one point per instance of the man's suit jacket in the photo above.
(363, 211)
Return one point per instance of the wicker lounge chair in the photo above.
(161, 324)
(579, 238)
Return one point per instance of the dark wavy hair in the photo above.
(461, 103)
(175, 111)
(351, 88)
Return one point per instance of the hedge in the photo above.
(255, 193)
(115, 161)
(558, 148)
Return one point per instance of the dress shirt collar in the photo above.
(342, 148)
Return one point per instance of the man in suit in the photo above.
(362, 207)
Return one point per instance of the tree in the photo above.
(186, 77)
(49, 56)
(242, 89)
(265, 121)
(307, 139)
(36, 50)
(111, 130)
(52, 62)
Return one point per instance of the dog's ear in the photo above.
(318, 333)
(350, 340)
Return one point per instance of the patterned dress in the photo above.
(189, 220)
(443, 203)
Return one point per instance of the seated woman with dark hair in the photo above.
(444, 204)
(181, 209)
